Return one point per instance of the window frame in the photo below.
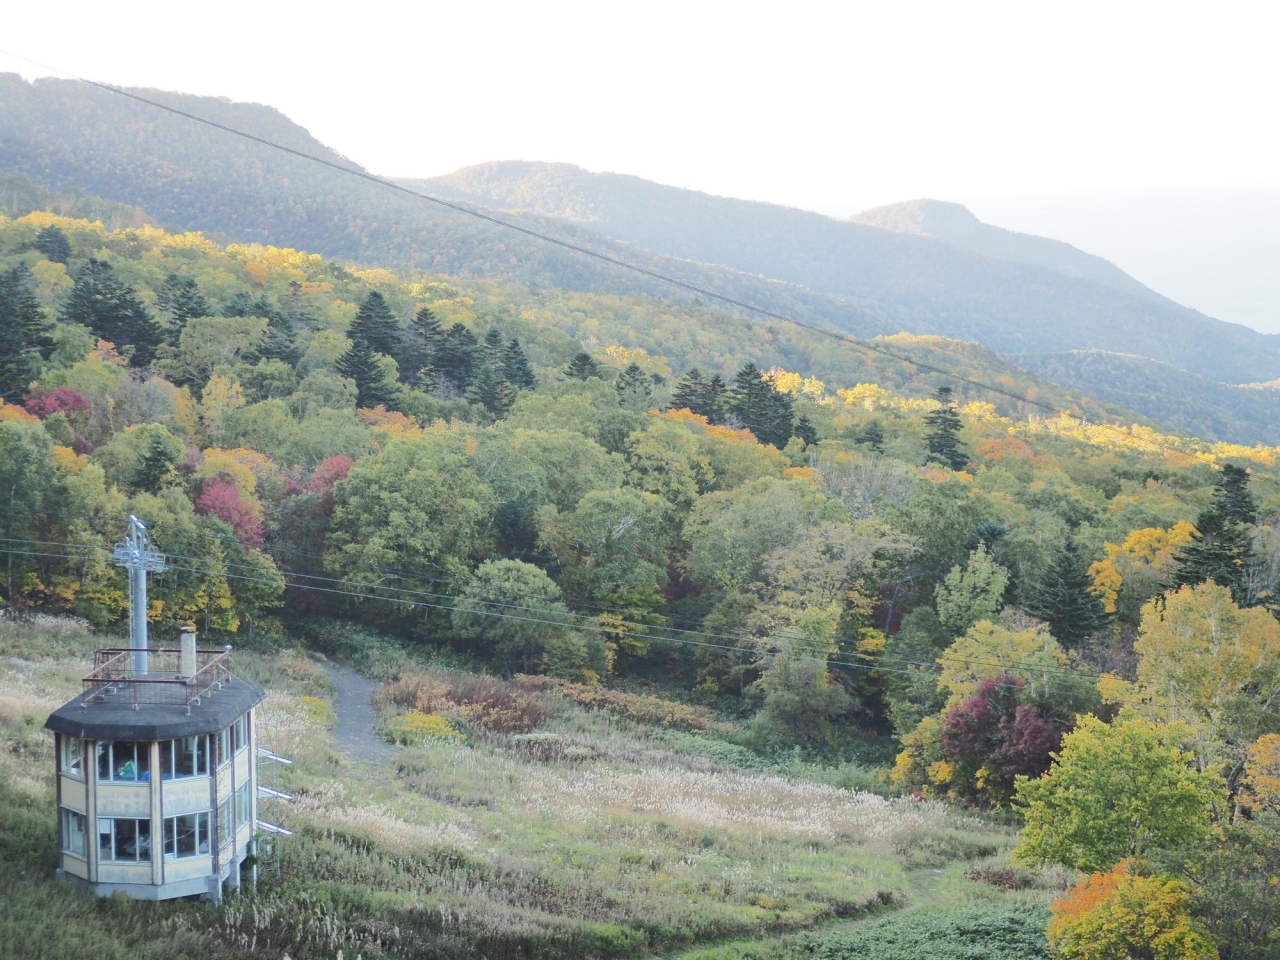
(240, 733)
(114, 832)
(244, 805)
(74, 757)
(224, 741)
(199, 823)
(195, 748)
(68, 834)
(141, 760)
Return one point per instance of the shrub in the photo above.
(973, 933)
(415, 727)
(640, 708)
(1116, 915)
(485, 702)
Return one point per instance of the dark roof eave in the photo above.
(151, 721)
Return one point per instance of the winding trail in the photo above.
(353, 714)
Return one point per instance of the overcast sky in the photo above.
(834, 106)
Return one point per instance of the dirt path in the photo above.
(353, 714)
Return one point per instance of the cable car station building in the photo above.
(157, 767)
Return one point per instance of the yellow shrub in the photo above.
(416, 726)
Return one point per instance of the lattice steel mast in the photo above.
(136, 556)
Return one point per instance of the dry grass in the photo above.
(481, 701)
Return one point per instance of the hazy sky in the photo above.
(833, 106)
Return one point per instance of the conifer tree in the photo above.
(492, 392)
(156, 468)
(458, 357)
(872, 435)
(943, 438)
(716, 399)
(515, 366)
(24, 333)
(582, 367)
(690, 392)
(1222, 546)
(180, 300)
(761, 409)
(281, 340)
(1063, 598)
(805, 431)
(53, 243)
(110, 308)
(633, 387)
(376, 325)
(493, 348)
(419, 354)
(360, 364)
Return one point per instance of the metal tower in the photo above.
(136, 556)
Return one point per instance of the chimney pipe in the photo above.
(187, 654)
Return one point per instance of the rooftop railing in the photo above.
(113, 678)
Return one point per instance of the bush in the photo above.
(640, 708)
(973, 933)
(416, 727)
(485, 702)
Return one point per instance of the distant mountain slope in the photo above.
(956, 225)
(1185, 401)
(926, 285)
(67, 135)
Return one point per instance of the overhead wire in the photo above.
(756, 649)
(856, 342)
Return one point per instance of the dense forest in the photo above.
(853, 560)
(850, 276)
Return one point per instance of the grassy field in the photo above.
(549, 823)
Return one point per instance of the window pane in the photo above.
(104, 760)
(170, 837)
(126, 839)
(203, 831)
(166, 759)
(186, 835)
(224, 746)
(105, 850)
(73, 757)
(125, 763)
(186, 760)
(202, 755)
(242, 804)
(144, 839)
(73, 832)
(143, 758)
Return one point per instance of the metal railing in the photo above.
(114, 679)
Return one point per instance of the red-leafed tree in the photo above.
(329, 473)
(991, 738)
(223, 500)
(65, 400)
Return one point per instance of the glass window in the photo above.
(186, 836)
(124, 840)
(225, 832)
(243, 806)
(73, 756)
(186, 757)
(124, 760)
(240, 733)
(224, 746)
(74, 829)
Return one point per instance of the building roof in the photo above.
(99, 715)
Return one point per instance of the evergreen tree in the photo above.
(179, 300)
(633, 387)
(156, 468)
(582, 367)
(281, 341)
(690, 392)
(872, 435)
(515, 366)
(1223, 543)
(53, 243)
(375, 325)
(419, 354)
(458, 358)
(716, 399)
(1063, 598)
(761, 409)
(110, 308)
(360, 364)
(24, 333)
(492, 392)
(805, 431)
(493, 348)
(943, 438)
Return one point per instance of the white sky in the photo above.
(834, 107)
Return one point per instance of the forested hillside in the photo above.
(1009, 304)
(802, 557)
(860, 279)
